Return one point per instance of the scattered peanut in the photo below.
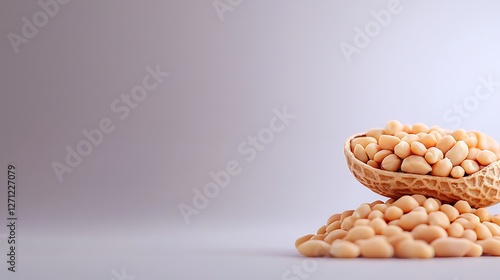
(314, 248)
(412, 226)
(376, 247)
(345, 249)
(414, 249)
(303, 239)
(451, 247)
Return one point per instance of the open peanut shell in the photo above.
(480, 189)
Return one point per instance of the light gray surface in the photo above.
(229, 77)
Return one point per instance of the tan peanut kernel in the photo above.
(442, 168)
(402, 149)
(470, 234)
(419, 127)
(380, 207)
(359, 232)
(414, 249)
(359, 153)
(439, 218)
(375, 133)
(431, 205)
(378, 224)
(486, 157)
(463, 207)
(393, 213)
(420, 199)
(491, 246)
(419, 209)
(457, 172)
(494, 228)
(394, 222)
(334, 235)
(387, 142)
(406, 203)
(375, 214)
(376, 247)
(428, 233)
(380, 155)
(412, 219)
(473, 153)
(333, 218)
(416, 165)
(390, 201)
(429, 141)
(436, 134)
(371, 149)
(451, 247)
(450, 211)
(485, 142)
(466, 223)
(418, 148)
(345, 249)
(400, 134)
(361, 222)
(391, 163)
(376, 202)
(410, 138)
(333, 226)
(318, 237)
(475, 250)
(407, 128)
(314, 248)
(470, 217)
(496, 219)
(433, 155)
(363, 141)
(482, 232)
(321, 230)
(458, 153)
(391, 230)
(446, 143)
(348, 223)
(303, 239)
(393, 126)
(362, 211)
(471, 140)
(395, 239)
(346, 214)
(459, 134)
(470, 166)
(373, 164)
(456, 230)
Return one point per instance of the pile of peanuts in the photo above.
(410, 227)
(419, 149)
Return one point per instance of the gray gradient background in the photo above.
(119, 207)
